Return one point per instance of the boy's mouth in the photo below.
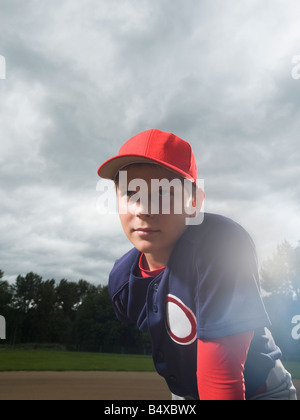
(145, 231)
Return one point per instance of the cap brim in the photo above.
(110, 168)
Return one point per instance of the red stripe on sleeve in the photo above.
(220, 367)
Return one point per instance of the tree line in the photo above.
(280, 278)
(80, 316)
(75, 315)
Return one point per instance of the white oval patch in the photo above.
(181, 322)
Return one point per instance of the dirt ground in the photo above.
(85, 386)
(82, 386)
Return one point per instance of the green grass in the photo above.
(293, 368)
(46, 360)
(42, 360)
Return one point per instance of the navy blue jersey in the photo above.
(209, 289)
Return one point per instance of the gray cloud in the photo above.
(84, 77)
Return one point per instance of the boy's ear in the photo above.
(195, 203)
(194, 216)
(198, 199)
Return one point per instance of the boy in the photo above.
(193, 287)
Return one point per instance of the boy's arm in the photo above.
(220, 367)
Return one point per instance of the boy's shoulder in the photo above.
(218, 238)
(120, 273)
(126, 260)
(215, 228)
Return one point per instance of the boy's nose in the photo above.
(142, 209)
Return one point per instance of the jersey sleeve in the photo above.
(228, 299)
(220, 367)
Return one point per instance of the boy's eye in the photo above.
(164, 193)
(126, 193)
(130, 193)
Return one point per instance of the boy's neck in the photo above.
(159, 259)
(154, 262)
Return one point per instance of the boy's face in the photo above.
(152, 234)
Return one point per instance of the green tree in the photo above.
(71, 294)
(44, 312)
(95, 321)
(75, 314)
(6, 295)
(97, 328)
(25, 301)
(26, 291)
(281, 273)
(281, 279)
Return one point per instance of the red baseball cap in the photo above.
(153, 146)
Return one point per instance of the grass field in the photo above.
(43, 360)
(293, 368)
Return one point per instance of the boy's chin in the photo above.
(144, 248)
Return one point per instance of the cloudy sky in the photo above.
(82, 77)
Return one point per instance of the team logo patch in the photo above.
(181, 322)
